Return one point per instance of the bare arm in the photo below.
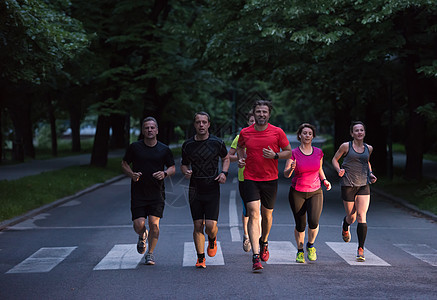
(225, 167)
(186, 171)
(135, 176)
(290, 165)
(323, 177)
(372, 176)
(233, 155)
(340, 152)
(284, 154)
(241, 154)
(160, 175)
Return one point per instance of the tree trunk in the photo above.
(52, 121)
(376, 135)
(75, 116)
(99, 156)
(415, 129)
(342, 122)
(20, 112)
(117, 140)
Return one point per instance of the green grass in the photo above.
(20, 196)
(422, 194)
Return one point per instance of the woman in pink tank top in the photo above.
(306, 196)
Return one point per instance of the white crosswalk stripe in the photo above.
(281, 253)
(421, 251)
(43, 260)
(348, 251)
(124, 256)
(190, 255)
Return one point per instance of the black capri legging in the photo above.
(302, 203)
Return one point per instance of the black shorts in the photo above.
(348, 193)
(261, 190)
(204, 206)
(153, 209)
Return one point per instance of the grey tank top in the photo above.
(356, 167)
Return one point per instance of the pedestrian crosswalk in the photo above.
(125, 256)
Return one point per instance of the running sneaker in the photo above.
(300, 257)
(257, 266)
(150, 259)
(360, 254)
(200, 263)
(264, 250)
(212, 248)
(246, 244)
(346, 235)
(141, 245)
(311, 253)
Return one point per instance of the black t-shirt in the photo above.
(203, 156)
(148, 160)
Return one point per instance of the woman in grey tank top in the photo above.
(356, 175)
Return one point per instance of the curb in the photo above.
(405, 204)
(7, 223)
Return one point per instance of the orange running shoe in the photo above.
(201, 263)
(346, 235)
(212, 248)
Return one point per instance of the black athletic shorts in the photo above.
(261, 190)
(204, 206)
(154, 209)
(348, 193)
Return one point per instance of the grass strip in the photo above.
(22, 195)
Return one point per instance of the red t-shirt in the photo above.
(259, 168)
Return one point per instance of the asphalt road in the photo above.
(85, 249)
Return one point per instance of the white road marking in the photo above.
(43, 260)
(190, 255)
(348, 252)
(123, 256)
(233, 218)
(421, 251)
(235, 180)
(282, 253)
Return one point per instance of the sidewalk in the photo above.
(34, 167)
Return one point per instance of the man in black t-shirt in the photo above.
(202, 152)
(148, 158)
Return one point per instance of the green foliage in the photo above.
(37, 37)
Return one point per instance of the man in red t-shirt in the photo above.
(259, 148)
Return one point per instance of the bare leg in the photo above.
(267, 220)
(253, 224)
(153, 232)
(199, 236)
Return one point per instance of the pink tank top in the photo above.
(306, 174)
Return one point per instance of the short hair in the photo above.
(305, 125)
(150, 119)
(353, 123)
(201, 113)
(267, 103)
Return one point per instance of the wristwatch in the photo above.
(276, 156)
(165, 174)
(226, 173)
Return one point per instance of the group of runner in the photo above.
(257, 150)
